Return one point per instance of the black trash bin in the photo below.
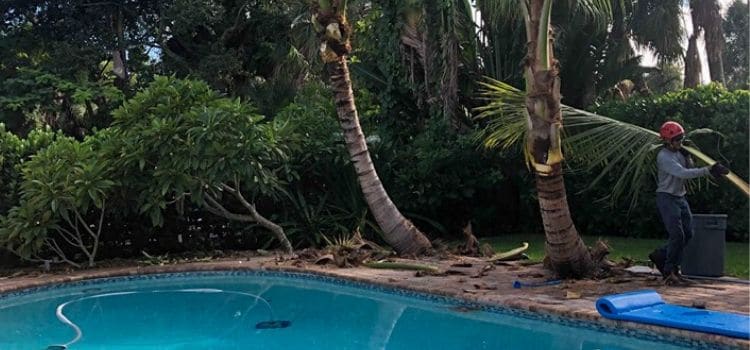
(704, 254)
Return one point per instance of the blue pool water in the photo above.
(220, 311)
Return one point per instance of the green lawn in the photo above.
(735, 258)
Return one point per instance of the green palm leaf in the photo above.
(598, 12)
(498, 11)
(616, 149)
(506, 116)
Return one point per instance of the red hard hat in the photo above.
(670, 129)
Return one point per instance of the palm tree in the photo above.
(329, 20)
(618, 150)
(737, 45)
(566, 253)
(706, 15)
(436, 54)
(656, 24)
(692, 60)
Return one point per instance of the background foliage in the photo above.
(119, 87)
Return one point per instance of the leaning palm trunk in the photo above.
(398, 231)
(566, 253)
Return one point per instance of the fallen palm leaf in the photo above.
(400, 266)
(325, 259)
(510, 254)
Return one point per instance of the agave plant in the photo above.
(593, 141)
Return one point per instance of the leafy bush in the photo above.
(13, 152)
(443, 180)
(63, 200)
(178, 141)
(324, 198)
(11, 147)
(709, 106)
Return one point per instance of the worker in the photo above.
(675, 166)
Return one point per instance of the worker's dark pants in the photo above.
(678, 220)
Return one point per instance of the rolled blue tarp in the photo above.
(621, 303)
(647, 306)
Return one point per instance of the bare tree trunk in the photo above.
(565, 250)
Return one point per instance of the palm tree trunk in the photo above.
(398, 231)
(692, 59)
(692, 64)
(706, 15)
(565, 250)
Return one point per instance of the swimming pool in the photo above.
(280, 310)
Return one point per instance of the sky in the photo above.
(650, 60)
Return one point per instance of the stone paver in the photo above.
(475, 283)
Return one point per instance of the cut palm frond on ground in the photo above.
(400, 266)
(591, 140)
(510, 254)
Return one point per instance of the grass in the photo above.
(735, 257)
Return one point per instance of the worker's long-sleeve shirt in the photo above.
(673, 172)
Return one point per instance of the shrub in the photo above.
(323, 198)
(62, 205)
(179, 141)
(14, 151)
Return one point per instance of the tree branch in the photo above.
(214, 207)
(52, 244)
(270, 225)
(95, 248)
(83, 222)
(72, 239)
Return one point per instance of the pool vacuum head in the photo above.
(269, 325)
(57, 347)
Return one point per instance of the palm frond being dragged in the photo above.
(598, 142)
(591, 141)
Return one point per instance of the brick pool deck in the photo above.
(480, 282)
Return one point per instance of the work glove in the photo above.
(717, 170)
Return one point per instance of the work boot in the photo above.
(659, 259)
(683, 278)
(673, 280)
